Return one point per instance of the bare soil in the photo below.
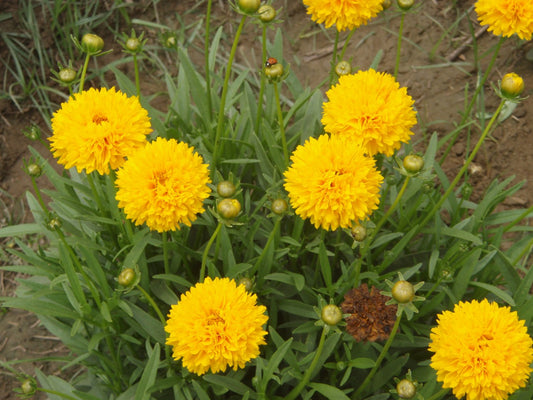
(436, 85)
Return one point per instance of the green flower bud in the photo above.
(274, 71)
(343, 68)
(249, 6)
(67, 75)
(279, 206)
(229, 208)
(386, 4)
(405, 4)
(133, 44)
(32, 132)
(512, 85)
(403, 292)
(359, 233)
(54, 223)
(267, 13)
(28, 387)
(406, 389)
(127, 277)
(413, 163)
(331, 314)
(92, 43)
(247, 282)
(226, 189)
(466, 190)
(34, 170)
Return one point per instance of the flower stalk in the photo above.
(206, 251)
(281, 125)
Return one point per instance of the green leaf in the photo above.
(330, 392)
(361, 363)
(273, 364)
(149, 375)
(21, 230)
(461, 234)
(230, 383)
(495, 291)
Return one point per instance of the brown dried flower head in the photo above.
(370, 319)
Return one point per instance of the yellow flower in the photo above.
(345, 14)
(370, 107)
(507, 17)
(481, 350)
(96, 129)
(216, 324)
(332, 184)
(163, 184)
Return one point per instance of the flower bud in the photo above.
(512, 85)
(274, 71)
(133, 44)
(249, 6)
(405, 4)
(403, 292)
(226, 189)
(331, 314)
(406, 389)
(32, 132)
(92, 43)
(127, 277)
(359, 233)
(67, 75)
(267, 13)
(27, 387)
(466, 190)
(34, 170)
(247, 282)
(279, 206)
(229, 208)
(386, 4)
(413, 163)
(343, 68)
(54, 223)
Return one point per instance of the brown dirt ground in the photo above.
(437, 89)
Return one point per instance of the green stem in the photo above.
(153, 304)
(307, 376)
(345, 46)
(164, 239)
(54, 392)
(468, 110)
(390, 210)
(465, 166)
(40, 198)
(380, 358)
(281, 125)
(206, 251)
(263, 83)
(84, 72)
(95, 192)
(334, 59)
(206, 57)
(220, 122)
(399, 46)
(137, 79)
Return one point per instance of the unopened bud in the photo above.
(403, 292)
(279, 206)
(247, 282)
(405, 4)
(512, 85)
(32, 132)
(331, 314)
(359, 233)
(92, 43)
(406, 389)
(34, 170)
(67, 75)
(133, 44)
(267, 13)
(413, 163)
(226, 189)
(343, 68)
(127, 277)
(229, 208)
(249, 6)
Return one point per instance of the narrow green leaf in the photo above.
(495, 291)
(149, 375)
(330, 392)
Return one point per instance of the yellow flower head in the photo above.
(481, 350)
(370, 107)
(96, 129)
(507, 17)
(331, 183)
(216, 324)
(163, 184)
(345, 14)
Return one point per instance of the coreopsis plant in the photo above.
(241, 241)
